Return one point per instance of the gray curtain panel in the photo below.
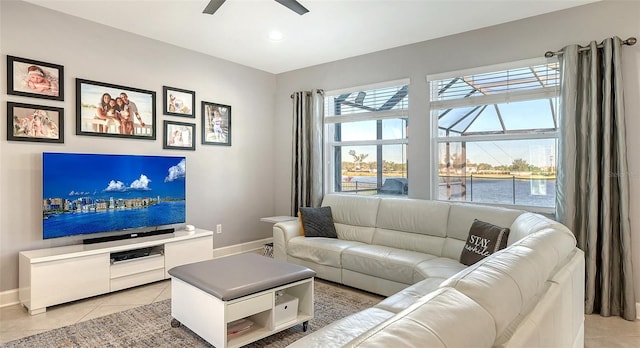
(592, 194)
(306, 171)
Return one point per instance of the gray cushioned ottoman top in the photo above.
(239, 275)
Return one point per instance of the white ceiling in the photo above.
(332, 30)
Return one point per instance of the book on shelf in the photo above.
(238, 326)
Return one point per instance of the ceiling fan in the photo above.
(293, 5)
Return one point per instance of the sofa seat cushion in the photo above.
(409, 295)
(321, 250)
(439, 267)
(383, 262)
(340, 332)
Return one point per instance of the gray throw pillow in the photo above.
(317, 222)
(484, 239)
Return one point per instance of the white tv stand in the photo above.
(63, 274)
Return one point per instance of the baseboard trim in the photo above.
(241, 248)
(9, 298)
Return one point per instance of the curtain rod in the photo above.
(629, 42)
(319, 91)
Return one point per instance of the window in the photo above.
(367, 139)
(495, 134)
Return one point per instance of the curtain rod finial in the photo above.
(631, 41)
(549, 54)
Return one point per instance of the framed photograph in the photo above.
(179, 135)
(108, 110)
(216, 124)
(28, 122)
(178, 102)
(32, 78)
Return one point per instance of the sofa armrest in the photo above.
(282, 233)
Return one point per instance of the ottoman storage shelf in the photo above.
(207, 296)
(286, 309)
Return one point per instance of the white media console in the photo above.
(63, 274)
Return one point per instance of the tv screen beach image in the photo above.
(90, 193)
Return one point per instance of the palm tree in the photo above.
(358, 159)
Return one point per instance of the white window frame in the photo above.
(543, 93)
(330, 143)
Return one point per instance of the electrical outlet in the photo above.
(219, 228)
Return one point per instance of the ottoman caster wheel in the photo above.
(305, 326)
(175, 323)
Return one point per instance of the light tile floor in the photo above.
(601, 332)
(15, 322)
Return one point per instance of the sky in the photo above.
(535, 114)
(539, 152)
(119, 176)
(512, 114)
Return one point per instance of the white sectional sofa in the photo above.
(529, 294)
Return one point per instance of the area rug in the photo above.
(149, 326)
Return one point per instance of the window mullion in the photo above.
(367, 116)
(500, 137)
(371, 142)
(525, 95)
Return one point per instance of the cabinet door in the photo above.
(69, 279)
(187, 251)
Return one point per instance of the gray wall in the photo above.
(222, 183)
(523, 39)
(223, 186)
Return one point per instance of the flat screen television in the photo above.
(94, 193)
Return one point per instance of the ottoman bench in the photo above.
(206, 296)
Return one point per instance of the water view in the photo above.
(538, 192)
(526, 192)
(162, 213)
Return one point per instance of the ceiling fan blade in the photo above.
(213, 6)
(294, 6)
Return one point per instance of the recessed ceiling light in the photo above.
(275, 36)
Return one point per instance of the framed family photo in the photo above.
(216, 124)
(32, 78)
(178, 102)
(28, 122)
(179, 135)
(108, 110)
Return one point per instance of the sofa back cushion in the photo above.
(528, 223)
(461, 218)
(412, 224)
(442, 318)
(354, 216)
(422, 243)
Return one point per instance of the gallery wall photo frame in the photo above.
(179, 135)
(33, 78)
(108, 110)
(35, 123)
(216, 124)
(178, 102)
